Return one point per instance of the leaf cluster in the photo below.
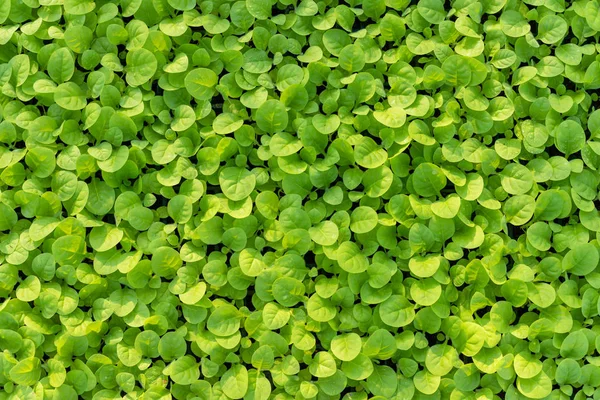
(299, 199)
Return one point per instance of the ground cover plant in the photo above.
(260, 199)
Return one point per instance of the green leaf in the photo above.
(568, 372)
(183, 371)
(552, 29)
(363, 220)
(346, 347)
(516, 179)
(70, 96)
(426, 383)
(69, 250)
(29, 289)
(432, 10)
(26, 372)
(397, 311)
(272, 116)
(393, 117)
(352, 58)
(428, 180)
(535, 388)
(440, 359)
(235, 382)
(224, 321)
(383, 381)
(448, 208)
(322, 365)
(61, 65)
(575, 345)
(227, 123)
(526, 365)
(351, 259)
(166, 261)
(581, 260)
(8, 217)
(236, 183)
(569, 137)
(259, 9)
(200, 83)
(141, 66)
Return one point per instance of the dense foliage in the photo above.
(262, 199)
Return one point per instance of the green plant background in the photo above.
(289, 200)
